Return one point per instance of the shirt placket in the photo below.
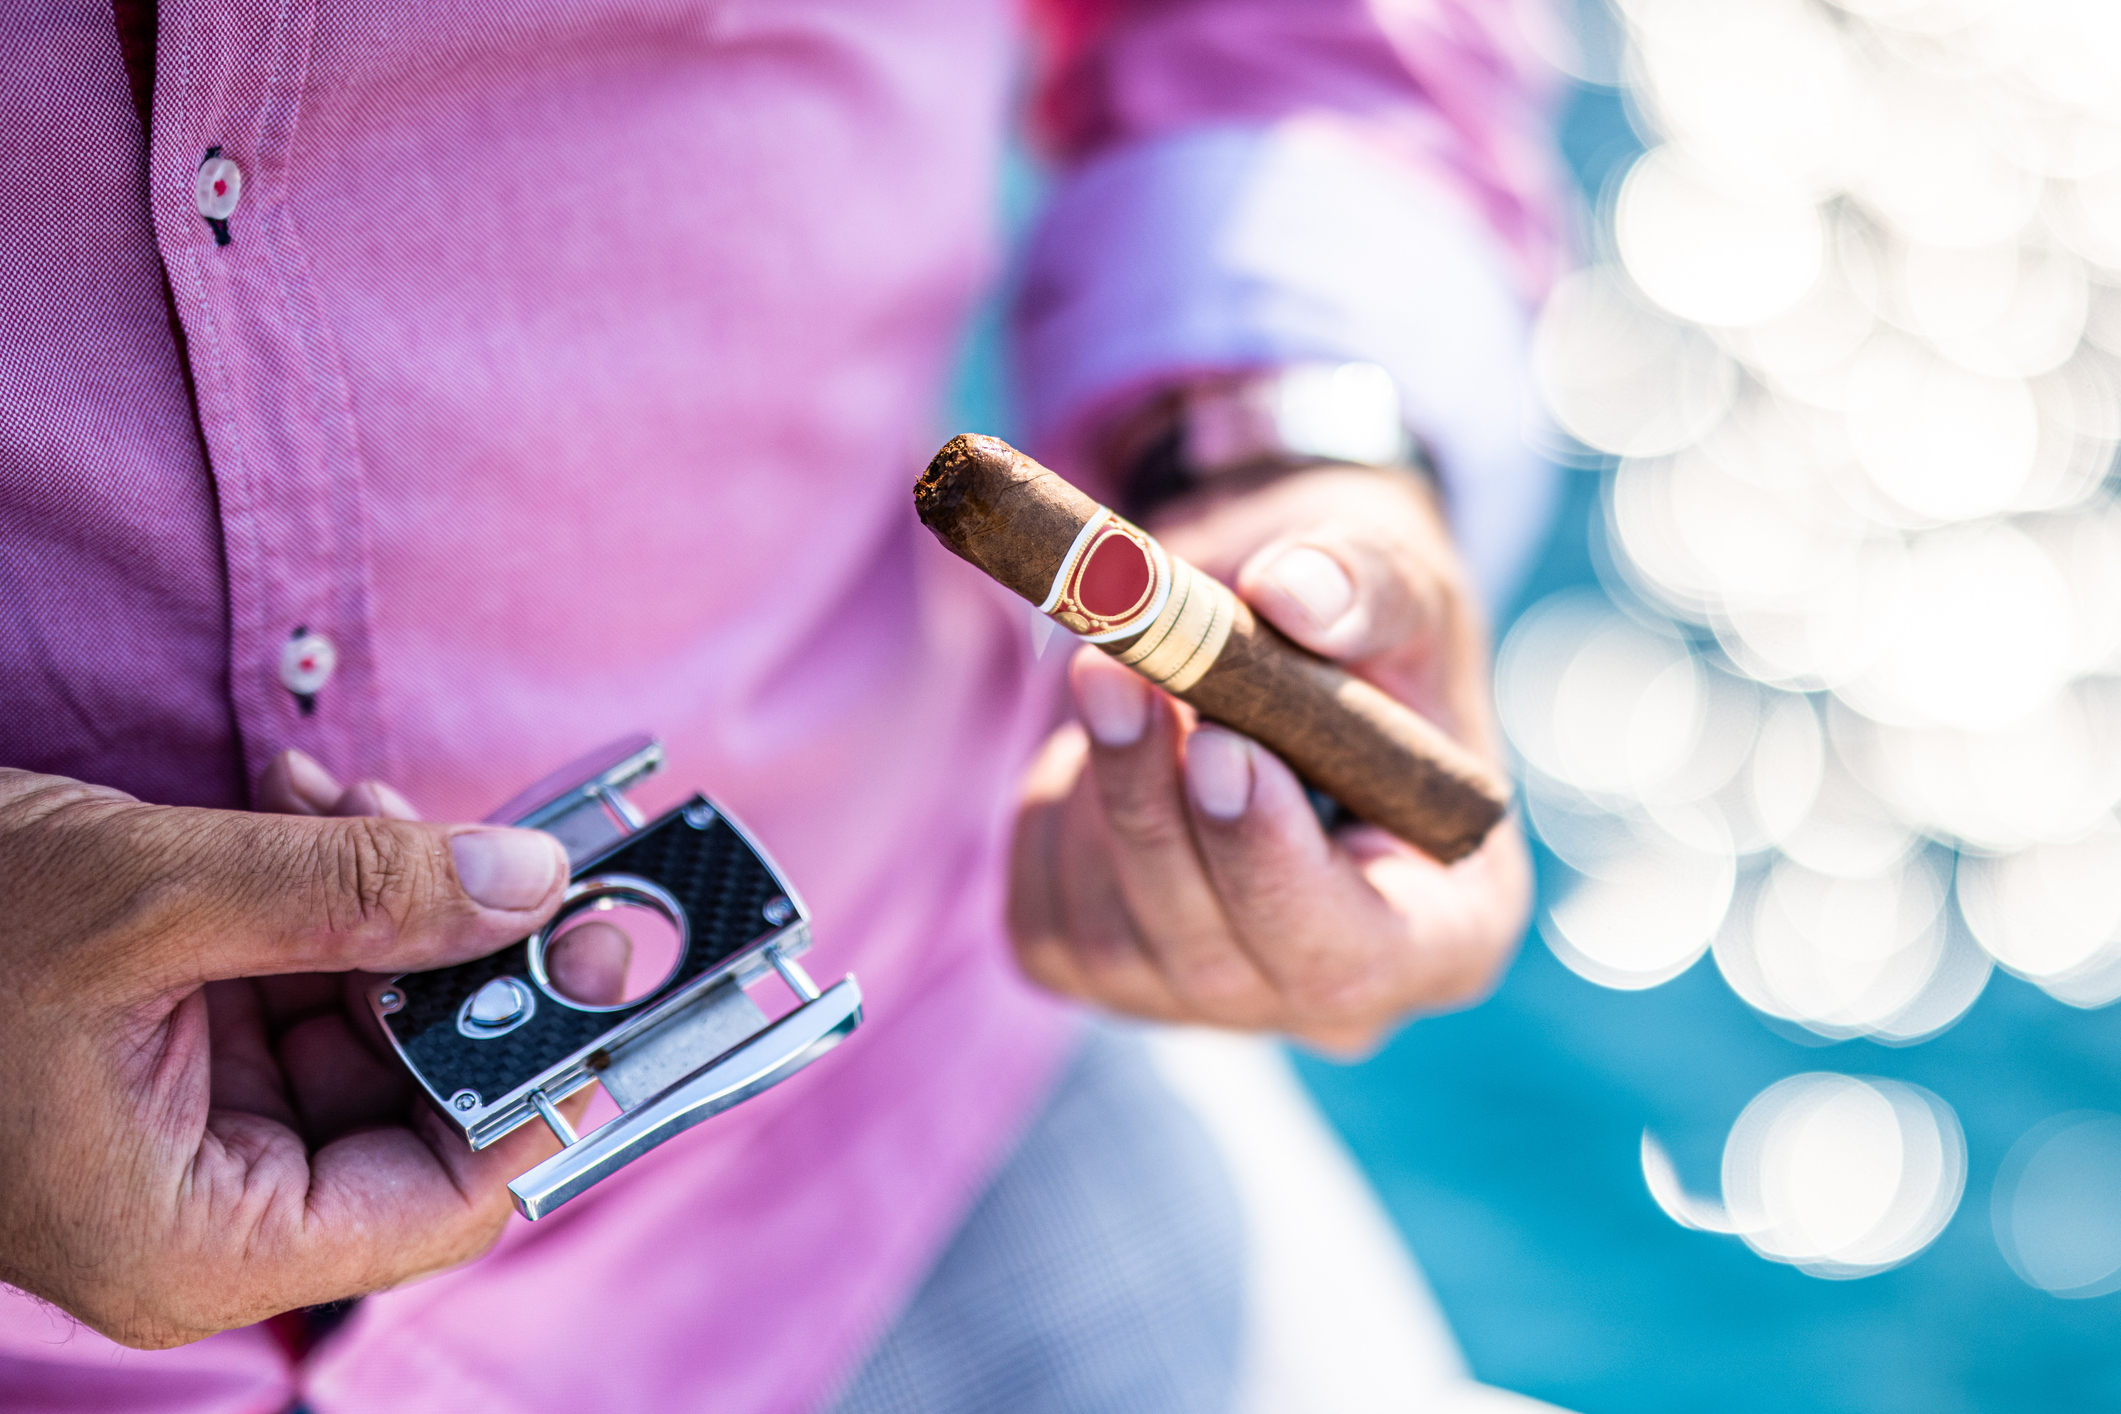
(274, 405)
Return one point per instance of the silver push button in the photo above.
(496, 1009)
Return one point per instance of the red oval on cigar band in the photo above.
(1116, 577)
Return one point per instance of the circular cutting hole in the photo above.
(615, 942)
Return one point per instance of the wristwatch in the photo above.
(1234, 423)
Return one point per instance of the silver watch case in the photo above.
(1343, 412)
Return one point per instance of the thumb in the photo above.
(247, 894)
(1343, 592)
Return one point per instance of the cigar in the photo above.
(1110, 583)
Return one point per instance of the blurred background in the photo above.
(1803, 1092)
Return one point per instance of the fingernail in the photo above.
(374, 798)
(393, 806)
(1114, 704)
(311, 783)
(506, 868)
(1219, 772)
(1315, 580)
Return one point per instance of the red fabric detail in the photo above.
(290, 1331)
(1066, 108)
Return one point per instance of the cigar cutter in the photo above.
(660, 1012)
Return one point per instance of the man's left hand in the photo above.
(1174, 870)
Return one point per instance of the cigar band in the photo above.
(1183, 641)
(1112, 583)
(1117, 582)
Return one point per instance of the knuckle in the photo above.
(377, 872)
(470, 1238)
(1248, 1004)
(139, 1328)
(1146, 819)
(1044, 962)
(1105, 953)
(1339, 984)
(28, 799)
(1223, 980)
(1464, 979)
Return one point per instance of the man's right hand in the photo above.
(185, 1152)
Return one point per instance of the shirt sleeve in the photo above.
(1254, 182)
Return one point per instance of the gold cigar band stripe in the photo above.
(1184, 641)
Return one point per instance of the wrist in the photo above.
(1239, 429)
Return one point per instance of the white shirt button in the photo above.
(219, 188)
(306, 663)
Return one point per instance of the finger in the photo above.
(297, 996)
(1034, 909)
(1466, 918)
(1068, 925)
(1134, 761)
(588, 963)
(243, 1075)
(1104, 945)
(1343, 591)
(295, 784)
(373, 798)
(1040, 879)
(1389, 597)
(336, 1082)
(372, 1209)
(258, 895)
(1326, 942)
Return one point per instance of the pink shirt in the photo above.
(568, 367)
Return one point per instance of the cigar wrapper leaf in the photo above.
(1112, 584)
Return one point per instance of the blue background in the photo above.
(1505, 1141)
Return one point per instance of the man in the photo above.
(403, 401)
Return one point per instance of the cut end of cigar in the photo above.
(994, 506)
(966, 463)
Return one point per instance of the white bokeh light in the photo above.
(1763, 91)
(1711, 254)
(1644, 918)
(2052, 914)
(1843, 1177)
(2056, 1206)
(1938, 439)
(1934, 172)
(1842, 957)
(1982, 638)
(1595, 700)
(1621, 378)
(1837, 1176)
(1853, 361)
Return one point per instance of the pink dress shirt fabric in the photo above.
(568, 367)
